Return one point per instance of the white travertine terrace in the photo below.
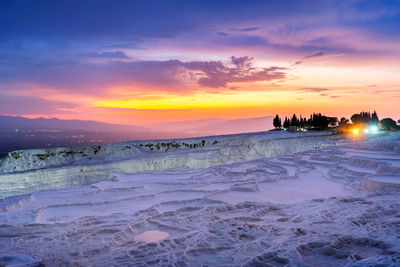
(28, 171)
(247, 200)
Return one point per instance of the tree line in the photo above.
(365, 117)
(317, 121)
(368, 118)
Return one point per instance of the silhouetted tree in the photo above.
(365, 117)
(302, 122)
(374, 118)
(294, 122)
(332, 121)
(310, 122)
(387, 124)
(286, 123)
(316, 121)
(313, 119)
(277, 122)
(356, 118)
(319, 121)
(343, 121)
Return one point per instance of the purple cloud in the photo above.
(246, 29)
(249, 29)
(107, 54)
(316, 54)
(217, 74)
(242, 62)
(222, 34)
(169, 75)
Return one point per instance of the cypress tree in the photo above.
(277, 122)
(294, 122)
(286, 123)
(374, 118)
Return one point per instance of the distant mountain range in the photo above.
(185, 125)
(211, 126)
(21, 123)
(217, 126)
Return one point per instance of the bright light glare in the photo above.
(374, 129)
(355, 131)
(366, 130)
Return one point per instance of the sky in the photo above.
(143, 62)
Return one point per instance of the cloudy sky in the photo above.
(141, 62)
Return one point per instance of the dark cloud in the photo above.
(249, 29)
(297, 63)
(222, 33)
(246, 29)
(312, 90)
(217, 74)
(107, 54)
(242, 62)
(316, 54)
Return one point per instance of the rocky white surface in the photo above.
(28, 171)
(34, 159)
(304, 209)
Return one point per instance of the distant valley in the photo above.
(24, 133)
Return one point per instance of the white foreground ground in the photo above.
(332, 206)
